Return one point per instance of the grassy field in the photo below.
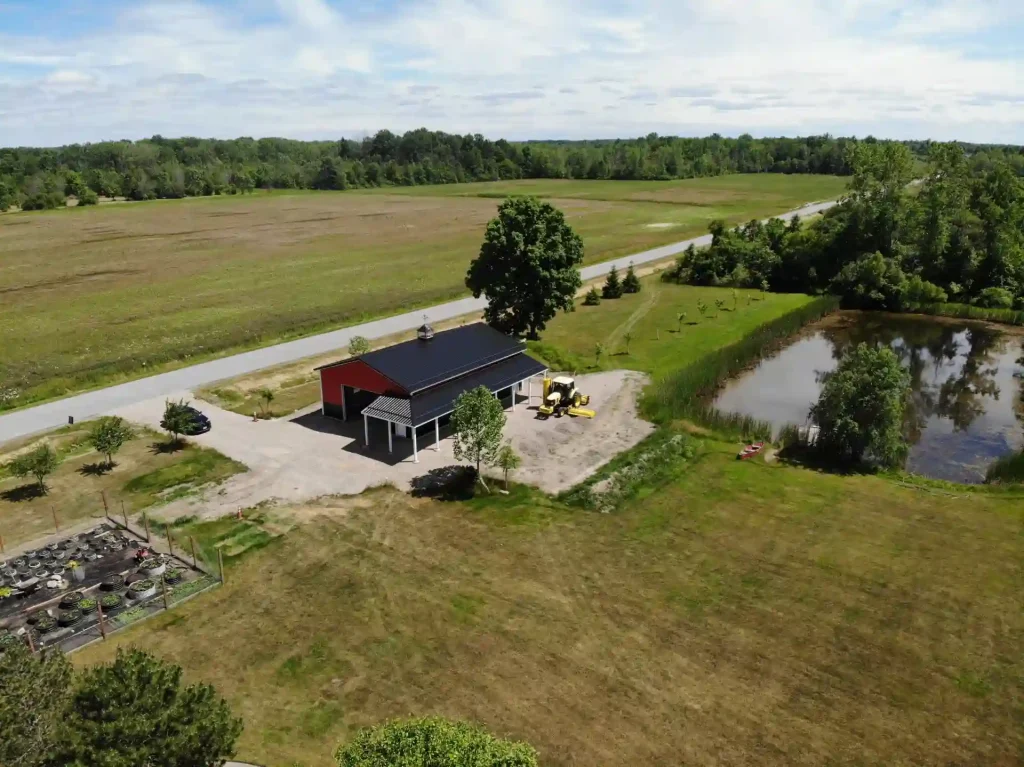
(658, 342)
(90, 296)
(747, 613)
(146, 472)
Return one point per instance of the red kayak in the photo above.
(750, 451)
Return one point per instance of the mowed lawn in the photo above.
(749, 613)
(147, 471)
(125, 289)
(658, 343)
(658, 340)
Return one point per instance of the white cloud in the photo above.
(531, 68)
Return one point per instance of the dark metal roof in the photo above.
(439, 400)
(416, 365)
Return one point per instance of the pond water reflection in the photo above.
(966, 408)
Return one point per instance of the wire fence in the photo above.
(138, 530)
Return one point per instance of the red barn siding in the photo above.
(358, 375)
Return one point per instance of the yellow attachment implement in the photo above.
(581, 412)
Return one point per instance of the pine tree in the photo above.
(631, 283)
(593, 298)
(612, 286)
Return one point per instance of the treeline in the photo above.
(192, 167)
(957, 236)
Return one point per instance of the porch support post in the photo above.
(514, 387)
(344, 410)
(530, 400)
(437, 435)
(415, 455)
(390, 429)
(366, 429)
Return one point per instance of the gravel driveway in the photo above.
(308, 456)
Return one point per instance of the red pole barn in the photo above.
(412, 386)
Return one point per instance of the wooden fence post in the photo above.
(106, 508)
(163, 587)
(125, 515)
(103, 626)
(192, 543)
(56, 522)
(145, 519)
(220, 560)
(1, 544)
(170, 542)
(31, 644)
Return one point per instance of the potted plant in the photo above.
(153, 567)
(77, 571)
(69, 617)
(174, 576)
(143, 589)
(45, 623)
(111, 601)
(71, 599)
(113, 583)
(5, 591)
(87, 605)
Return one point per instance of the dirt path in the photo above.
(650, 299)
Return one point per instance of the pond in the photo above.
(967, 406)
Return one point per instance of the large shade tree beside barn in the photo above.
(528, 267)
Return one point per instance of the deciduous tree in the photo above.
(108, 436)
(477, 423)
(861, 407)
(39, 462)
(177, 419)
(528, 267)
(871, 282)
(358, 346)
(507, 460)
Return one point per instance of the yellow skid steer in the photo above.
(562, 398)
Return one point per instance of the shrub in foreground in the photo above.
(432, 742)
(135, 711)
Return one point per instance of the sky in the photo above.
(88, 70)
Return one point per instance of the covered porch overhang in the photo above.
(433, 405)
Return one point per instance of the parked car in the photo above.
(200, 423)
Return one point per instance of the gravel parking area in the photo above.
(308, 456)
(561, 452)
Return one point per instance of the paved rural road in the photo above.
(54, 414)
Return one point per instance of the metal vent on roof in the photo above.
(425, 332)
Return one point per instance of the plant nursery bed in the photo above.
(55, 595)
